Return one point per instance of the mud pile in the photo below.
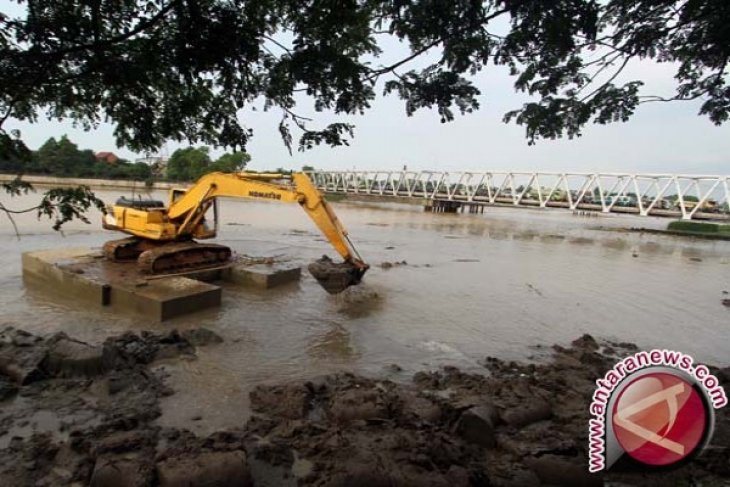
(520, 425)
(335, 277)
(75, 412)
(514, 425)
(390, 265)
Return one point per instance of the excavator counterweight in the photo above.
(164, 238)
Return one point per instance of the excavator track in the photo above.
(123, 250)
(177, 256)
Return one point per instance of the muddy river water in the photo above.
(474, 285)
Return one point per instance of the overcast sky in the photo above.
(661, 137)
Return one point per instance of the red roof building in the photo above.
(108, 157)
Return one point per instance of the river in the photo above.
(508, 283)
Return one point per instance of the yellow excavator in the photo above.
(164, 237)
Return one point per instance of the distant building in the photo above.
(108, 157)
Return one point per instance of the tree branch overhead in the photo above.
(187, 70)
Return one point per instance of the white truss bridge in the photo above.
(685, 196)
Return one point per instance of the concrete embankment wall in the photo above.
(93, 183)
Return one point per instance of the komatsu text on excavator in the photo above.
(164, 237)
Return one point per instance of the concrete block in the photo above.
(47, 269)
(84, 276)
(166, 298)
(263, 276)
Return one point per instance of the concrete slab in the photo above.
(263, 276)
(83, 275)
(49, 269)
(165, 298)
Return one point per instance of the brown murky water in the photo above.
(475, 285)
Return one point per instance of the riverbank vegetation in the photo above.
(699, 228)
(191, 163)
(64, 158)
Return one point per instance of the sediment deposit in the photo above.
(75, 413)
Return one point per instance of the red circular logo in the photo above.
(659, 418)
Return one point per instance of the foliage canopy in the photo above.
(187, 69)
(191, 163)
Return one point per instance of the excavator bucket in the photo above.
(333, 277)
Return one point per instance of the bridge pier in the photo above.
(472, 208)
(446, 206)
(442, 206)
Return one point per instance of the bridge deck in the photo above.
(664, 195)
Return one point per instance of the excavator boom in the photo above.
(153, 225)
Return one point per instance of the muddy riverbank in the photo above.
(471, 286)
(72, 413)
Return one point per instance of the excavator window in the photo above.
(177, 194)
(139, 204)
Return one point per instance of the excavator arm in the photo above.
(189, 209)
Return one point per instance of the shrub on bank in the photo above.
(698, 227)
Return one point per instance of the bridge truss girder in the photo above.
(569, 190)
